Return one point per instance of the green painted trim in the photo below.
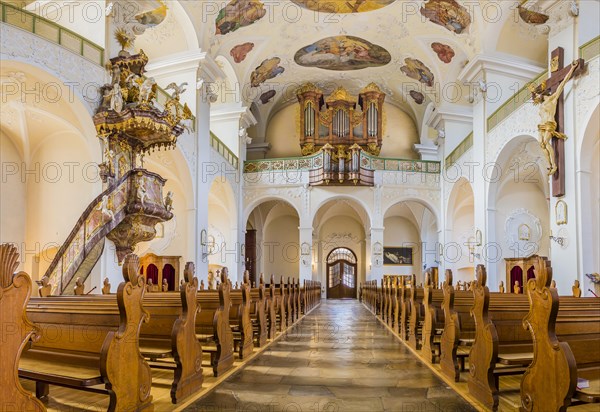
(223, 150)
(61, 29)
(514, 102)
(462, 148)
(402, 165)
(590, 45)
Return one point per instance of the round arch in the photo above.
(588, 180)
(460, 225)
(264, 199)
(360, 207)
(517, 196)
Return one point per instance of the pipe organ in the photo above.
(340, 127)
(340, 119)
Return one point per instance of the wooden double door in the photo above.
(341, 274)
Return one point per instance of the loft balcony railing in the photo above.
(224, 151)
(460, 150)
(587, 51)
(52, 32)
(367, 162)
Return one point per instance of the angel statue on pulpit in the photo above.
(548, 126)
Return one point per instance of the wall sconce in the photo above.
(560, 240)
(478, 237)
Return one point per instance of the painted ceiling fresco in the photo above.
(418, 97)
(154, 17)
(343, 6)
(239, 13)
(416, 69)
(342, 53)
(444, 52)
(267, 70)
(448, 14)
(412, 49)
(267, 96)
(240, 51)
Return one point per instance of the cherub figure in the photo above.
(147, 90)
(103, 207)
(142, 193)
(116, 98)
(177, 90)
(106, 287)
(169, 201)
(46, 289)
(79, 287)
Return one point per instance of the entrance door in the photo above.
(341, 274)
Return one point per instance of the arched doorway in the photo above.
(341, 274)
(152, 273)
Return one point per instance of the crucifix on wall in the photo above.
(550, 97)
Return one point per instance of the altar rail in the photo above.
(52, 32)
(366, 161)
(587, 51)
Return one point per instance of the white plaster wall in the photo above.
(400, 232)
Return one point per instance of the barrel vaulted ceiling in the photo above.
(414, 50)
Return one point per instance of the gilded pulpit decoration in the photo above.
(340, 127)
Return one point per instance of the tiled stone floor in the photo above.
(338, 359)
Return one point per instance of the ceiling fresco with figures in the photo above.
(414, 50)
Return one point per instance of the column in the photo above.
(207, 73)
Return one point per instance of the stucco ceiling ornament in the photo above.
(523, 233)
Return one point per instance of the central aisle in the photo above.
(339, 358)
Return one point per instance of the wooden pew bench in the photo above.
(459, 329)
(213, 329)
(433, 321)
(566, 348)
(259, 313)
(501, 347)
(92, 346)
(168, 340)
(240, 321)
(17, 331)
(274, 306)
(416, 315)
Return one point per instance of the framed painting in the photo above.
(397, 256)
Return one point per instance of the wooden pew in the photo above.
(240, 320)
(93, 347)
(169, 340)
(274, 306)
(213, 328)
(459, 329)
(501, 347)
(259, 313)
(287, 302)
(17, 331)
(566, 333)
(281, 312)
(396, 305)
(404, 310)
(433, 321)
(415, 319)
(293, 299)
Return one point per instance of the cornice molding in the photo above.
(499, 63)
